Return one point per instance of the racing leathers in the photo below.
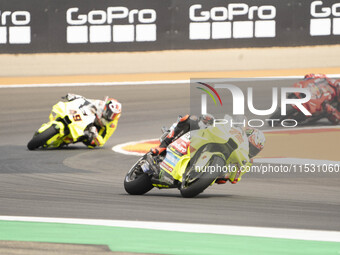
(97, 133)
(183, 126)
(255, 137)
(325, 86)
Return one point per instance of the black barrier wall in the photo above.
(36, 26)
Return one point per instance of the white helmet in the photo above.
(112, 109)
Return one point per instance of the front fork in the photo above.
(159, 177)
(58, 125)
(56, 140)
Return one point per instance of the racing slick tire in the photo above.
(137, 182)
(41, 138)
(192, 185)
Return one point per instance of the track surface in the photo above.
(81, 183)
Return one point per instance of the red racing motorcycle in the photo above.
(321, 93)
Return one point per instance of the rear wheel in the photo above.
(41, 138)
(137, 182)
(194, 183)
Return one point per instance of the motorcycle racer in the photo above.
(256, 138)
(107, 114)
(322, 85)
(184, 125)
(191, 122)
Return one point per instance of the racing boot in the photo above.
(161, 149)
(157, 151)
(221, 180)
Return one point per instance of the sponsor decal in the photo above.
(165, 166)
(15, 27)
(326, 18)
(116, 24)
(170, 161)
(234, 20)
(180, 146)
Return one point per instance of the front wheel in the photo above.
(41, 138)
(194, 183)
(137, 182)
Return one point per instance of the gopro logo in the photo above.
(322, 23)
(219, 23)
(14, 27)
(105, 26)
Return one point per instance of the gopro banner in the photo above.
(261, 23)
(84, 26)
(33, 26)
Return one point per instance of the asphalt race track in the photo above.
(76, 182)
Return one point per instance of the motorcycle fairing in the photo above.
(76, 117)
(233, 143)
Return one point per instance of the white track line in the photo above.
(298, 234)
(134, 83)
(85, 84)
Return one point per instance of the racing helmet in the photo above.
(206, 120)
(256, 141)
(111, 109)
(315, 76)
